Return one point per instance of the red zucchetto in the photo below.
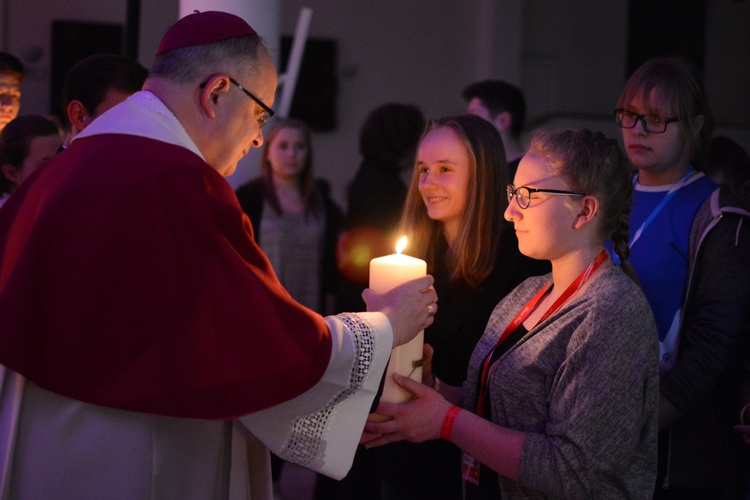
(201, 28)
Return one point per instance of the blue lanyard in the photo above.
(660, 206)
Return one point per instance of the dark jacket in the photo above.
(376, 197)
(375, 200)
(702, 447)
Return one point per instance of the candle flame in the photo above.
(401, 245)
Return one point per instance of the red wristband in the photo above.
(448, 420)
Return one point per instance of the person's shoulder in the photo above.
(528, 287)
(132, 158)
(614, 292)
(700, 186)
(725, 201)
(721, 204)
(616, 305)
(723, 221)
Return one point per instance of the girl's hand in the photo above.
(416, 420)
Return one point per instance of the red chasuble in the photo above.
(129, 278)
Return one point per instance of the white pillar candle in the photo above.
(385, 274)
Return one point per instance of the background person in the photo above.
(11, 76)
(96, 84)
(376, 195)
(504, 106)
(665, 121)
(387, 142)
(666, 126)
(296, 223)
(25, 144)
(709, 383)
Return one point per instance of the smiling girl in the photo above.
(453, 216)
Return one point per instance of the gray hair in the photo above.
(183, 65)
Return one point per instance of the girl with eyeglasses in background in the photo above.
(666, 125)
(695, 283)
(561, 394)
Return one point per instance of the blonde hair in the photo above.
(593, 164)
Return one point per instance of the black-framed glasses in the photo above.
(524, 194)
(267, 112)
(652, 123)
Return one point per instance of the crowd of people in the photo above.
(586, 309)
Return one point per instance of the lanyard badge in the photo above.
(470, 469)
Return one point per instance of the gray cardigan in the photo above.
(584, 385)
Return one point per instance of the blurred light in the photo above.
(356, 248)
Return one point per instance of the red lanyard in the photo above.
(524, 313)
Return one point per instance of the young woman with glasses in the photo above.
(560, 400)
(453, 218)
(666, 125)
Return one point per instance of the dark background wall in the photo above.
(571, 58)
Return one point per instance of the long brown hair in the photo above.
(305, 181)
(472, 256)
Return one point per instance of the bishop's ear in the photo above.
(212, 92)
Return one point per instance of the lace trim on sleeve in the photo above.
(305, 445)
